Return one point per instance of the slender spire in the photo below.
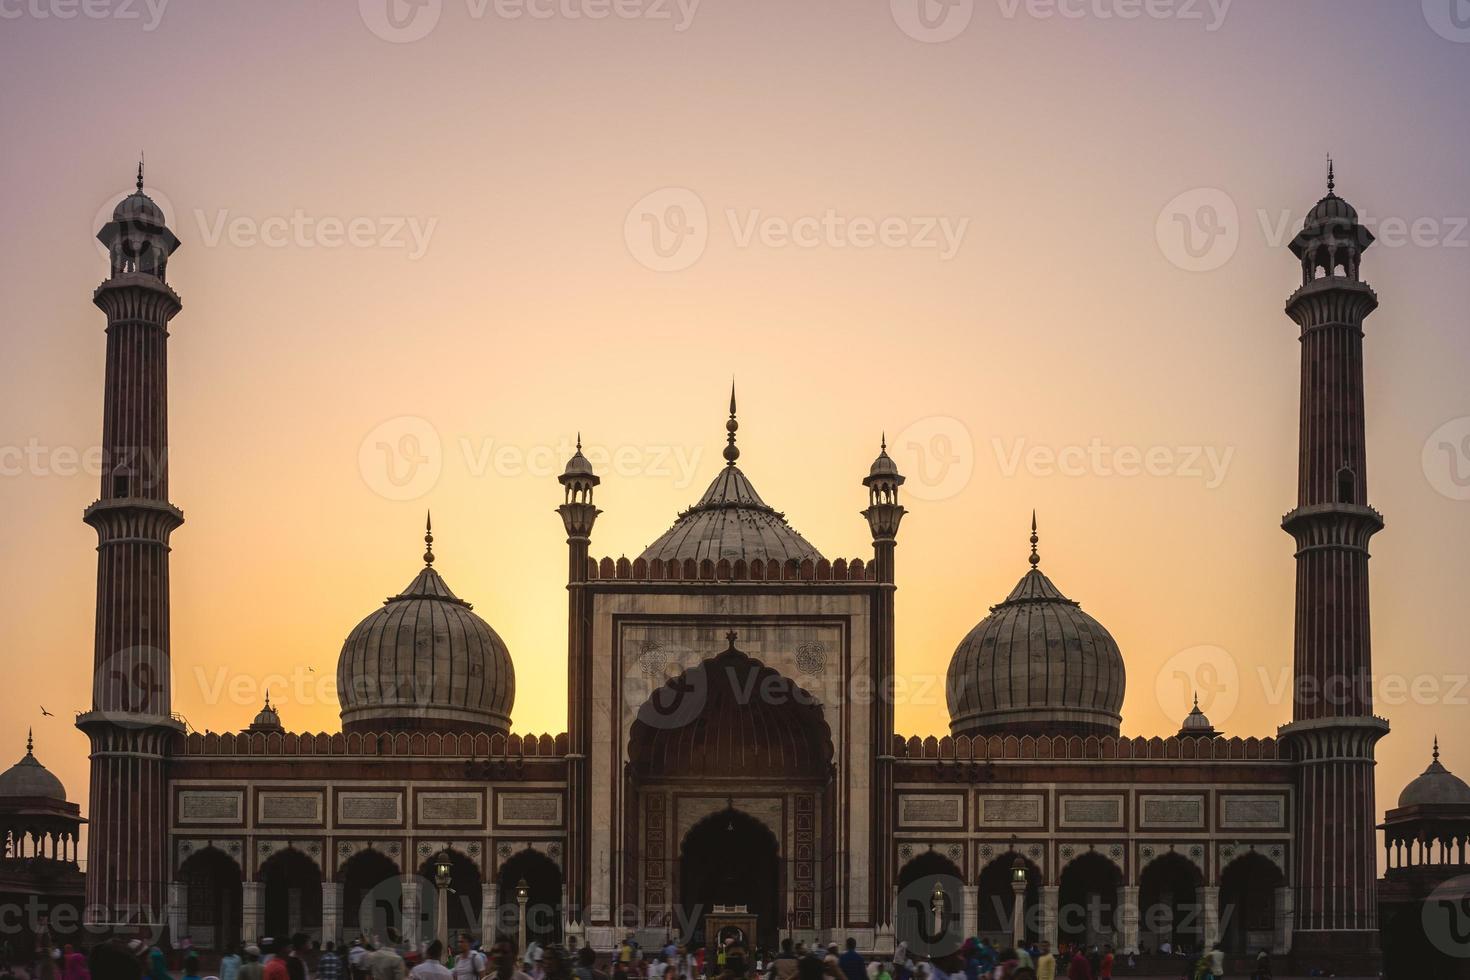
(1436, 748)
(31, 743)
(140, 171)
(732, 451)
(1196, 700)
(1035, 559)
(579, 440)
(883, 443)
(1331, 176)
(428, 539)
(267, 699)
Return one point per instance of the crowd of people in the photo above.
(366, 958)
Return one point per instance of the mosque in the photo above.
(720, 769)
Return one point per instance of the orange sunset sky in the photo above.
(1045, 254)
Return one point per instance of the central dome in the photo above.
(1036, 665)
(731, 521)
(425, 662)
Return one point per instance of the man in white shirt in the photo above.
(431, 968)
(469, 963)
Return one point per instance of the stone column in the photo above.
(331, 912)
(252, 896)
(970, 909)
(1050, 896)
(412, 927)
(1285, 918)
(178, 906)
(1209, 897)
(1129, 910)
(489, 902)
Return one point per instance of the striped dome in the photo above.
(731, 521)
(425, 661)
(1036, 665)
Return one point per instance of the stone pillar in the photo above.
(331, 912)
(970, 909)
(1050, 896)
(1209, 897)
(178, 906)
(412, 927)
(1285, 918)
(489, 900)
(252, 896)
(1129, 910)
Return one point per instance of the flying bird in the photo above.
(45, 713)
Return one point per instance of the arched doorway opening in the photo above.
(466, 891)
(733, 717)
(212, 892)
(731, 859)
(930, 915)
(543, 898)
(293, 895)
(1169, 908)
(372, 897)
(1087, 902)
(998, 900)
(1248, 904)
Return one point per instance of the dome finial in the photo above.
(428, 539)
(579, 440)
(31, 742)
(1035, 559)
(1436, 748)
(732, 451)
(140, 171)
(267, 699)
(1196, 700)
(883, 442)
(1331, 176)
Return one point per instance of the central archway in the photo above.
(731, 859)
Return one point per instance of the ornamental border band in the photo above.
(718, 772)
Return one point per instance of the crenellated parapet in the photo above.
(393, 744)
(963, 748)
(724, 570)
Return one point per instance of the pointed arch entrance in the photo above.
(293, 894)
(213, 893)
(717, 730)
(731, 859)
(543, 899)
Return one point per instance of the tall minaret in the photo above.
(131, 725)
(1333, 731)
(884, 513)
(578, 514)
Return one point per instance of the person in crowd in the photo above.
(250, 965)
(1079, 968)
(191, 966)
(431, 968)
(851, 962)
(1105, 963)
(229, 963)
(469, 963)
(1046, 963)
(384, 963)
(503, 959)
(1263, 966)
(328, 964)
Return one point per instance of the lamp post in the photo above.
(1018, 908)
(523, 895)
(443, 871)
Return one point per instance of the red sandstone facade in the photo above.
(835, 823)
